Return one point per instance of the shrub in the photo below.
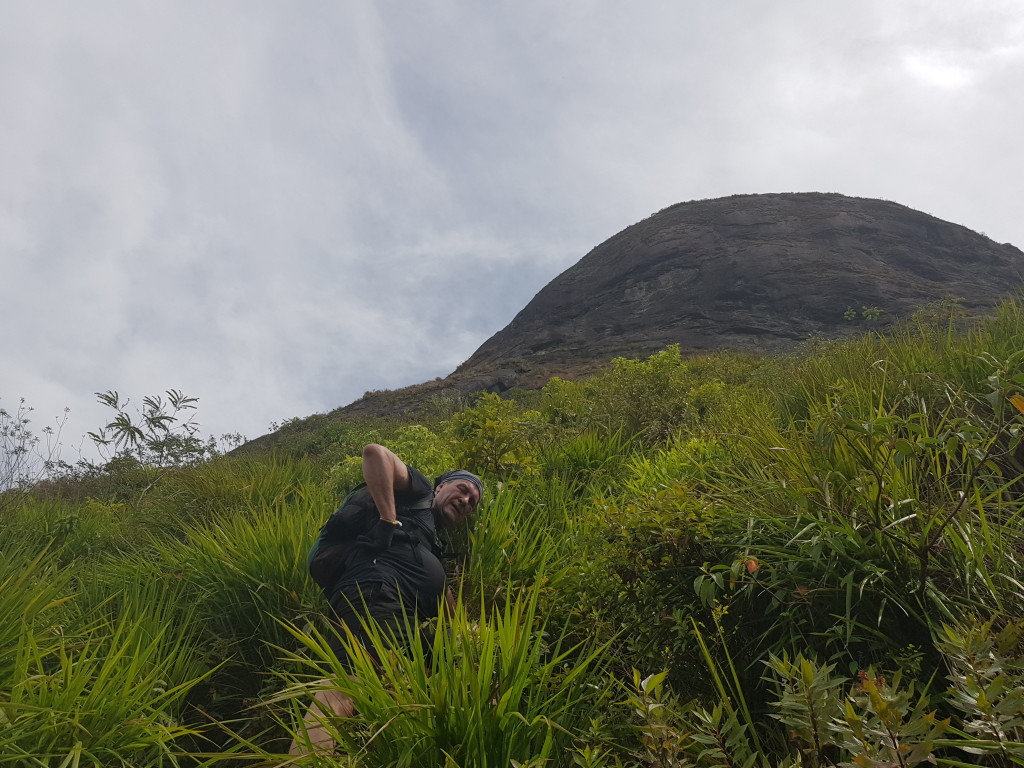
(496, 439)
(653, 398)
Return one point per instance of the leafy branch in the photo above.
(162, 433)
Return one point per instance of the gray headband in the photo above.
(460, 474)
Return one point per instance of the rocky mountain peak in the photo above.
(758, 272)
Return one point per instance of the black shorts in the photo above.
(379, 601)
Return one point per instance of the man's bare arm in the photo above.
(385, 475)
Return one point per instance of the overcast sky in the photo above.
(275, 206)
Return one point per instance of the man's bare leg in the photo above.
(327, 703)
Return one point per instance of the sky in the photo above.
(275, 207)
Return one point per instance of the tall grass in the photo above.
(922, 358)
(874, 522)
(246, 571)
(68, 530)
(234, 484)
(587, 463)
(519, 537)
(502, 691)
(31, 592)
(86, 687)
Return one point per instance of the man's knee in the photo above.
(331, 701)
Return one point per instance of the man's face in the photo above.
(455, 501)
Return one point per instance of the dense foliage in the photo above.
(729, 560)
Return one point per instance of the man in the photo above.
(392, 574)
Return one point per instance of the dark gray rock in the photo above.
(755, 272)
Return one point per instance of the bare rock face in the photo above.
(755, 272)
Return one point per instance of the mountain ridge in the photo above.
(755, 272)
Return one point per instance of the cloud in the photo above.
(277, 208)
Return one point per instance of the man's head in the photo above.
(456, 496)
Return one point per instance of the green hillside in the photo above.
(815, 559)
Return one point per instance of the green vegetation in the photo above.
(807, 560)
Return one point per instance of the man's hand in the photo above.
(378, 538)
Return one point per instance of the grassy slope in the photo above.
(852, 509)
